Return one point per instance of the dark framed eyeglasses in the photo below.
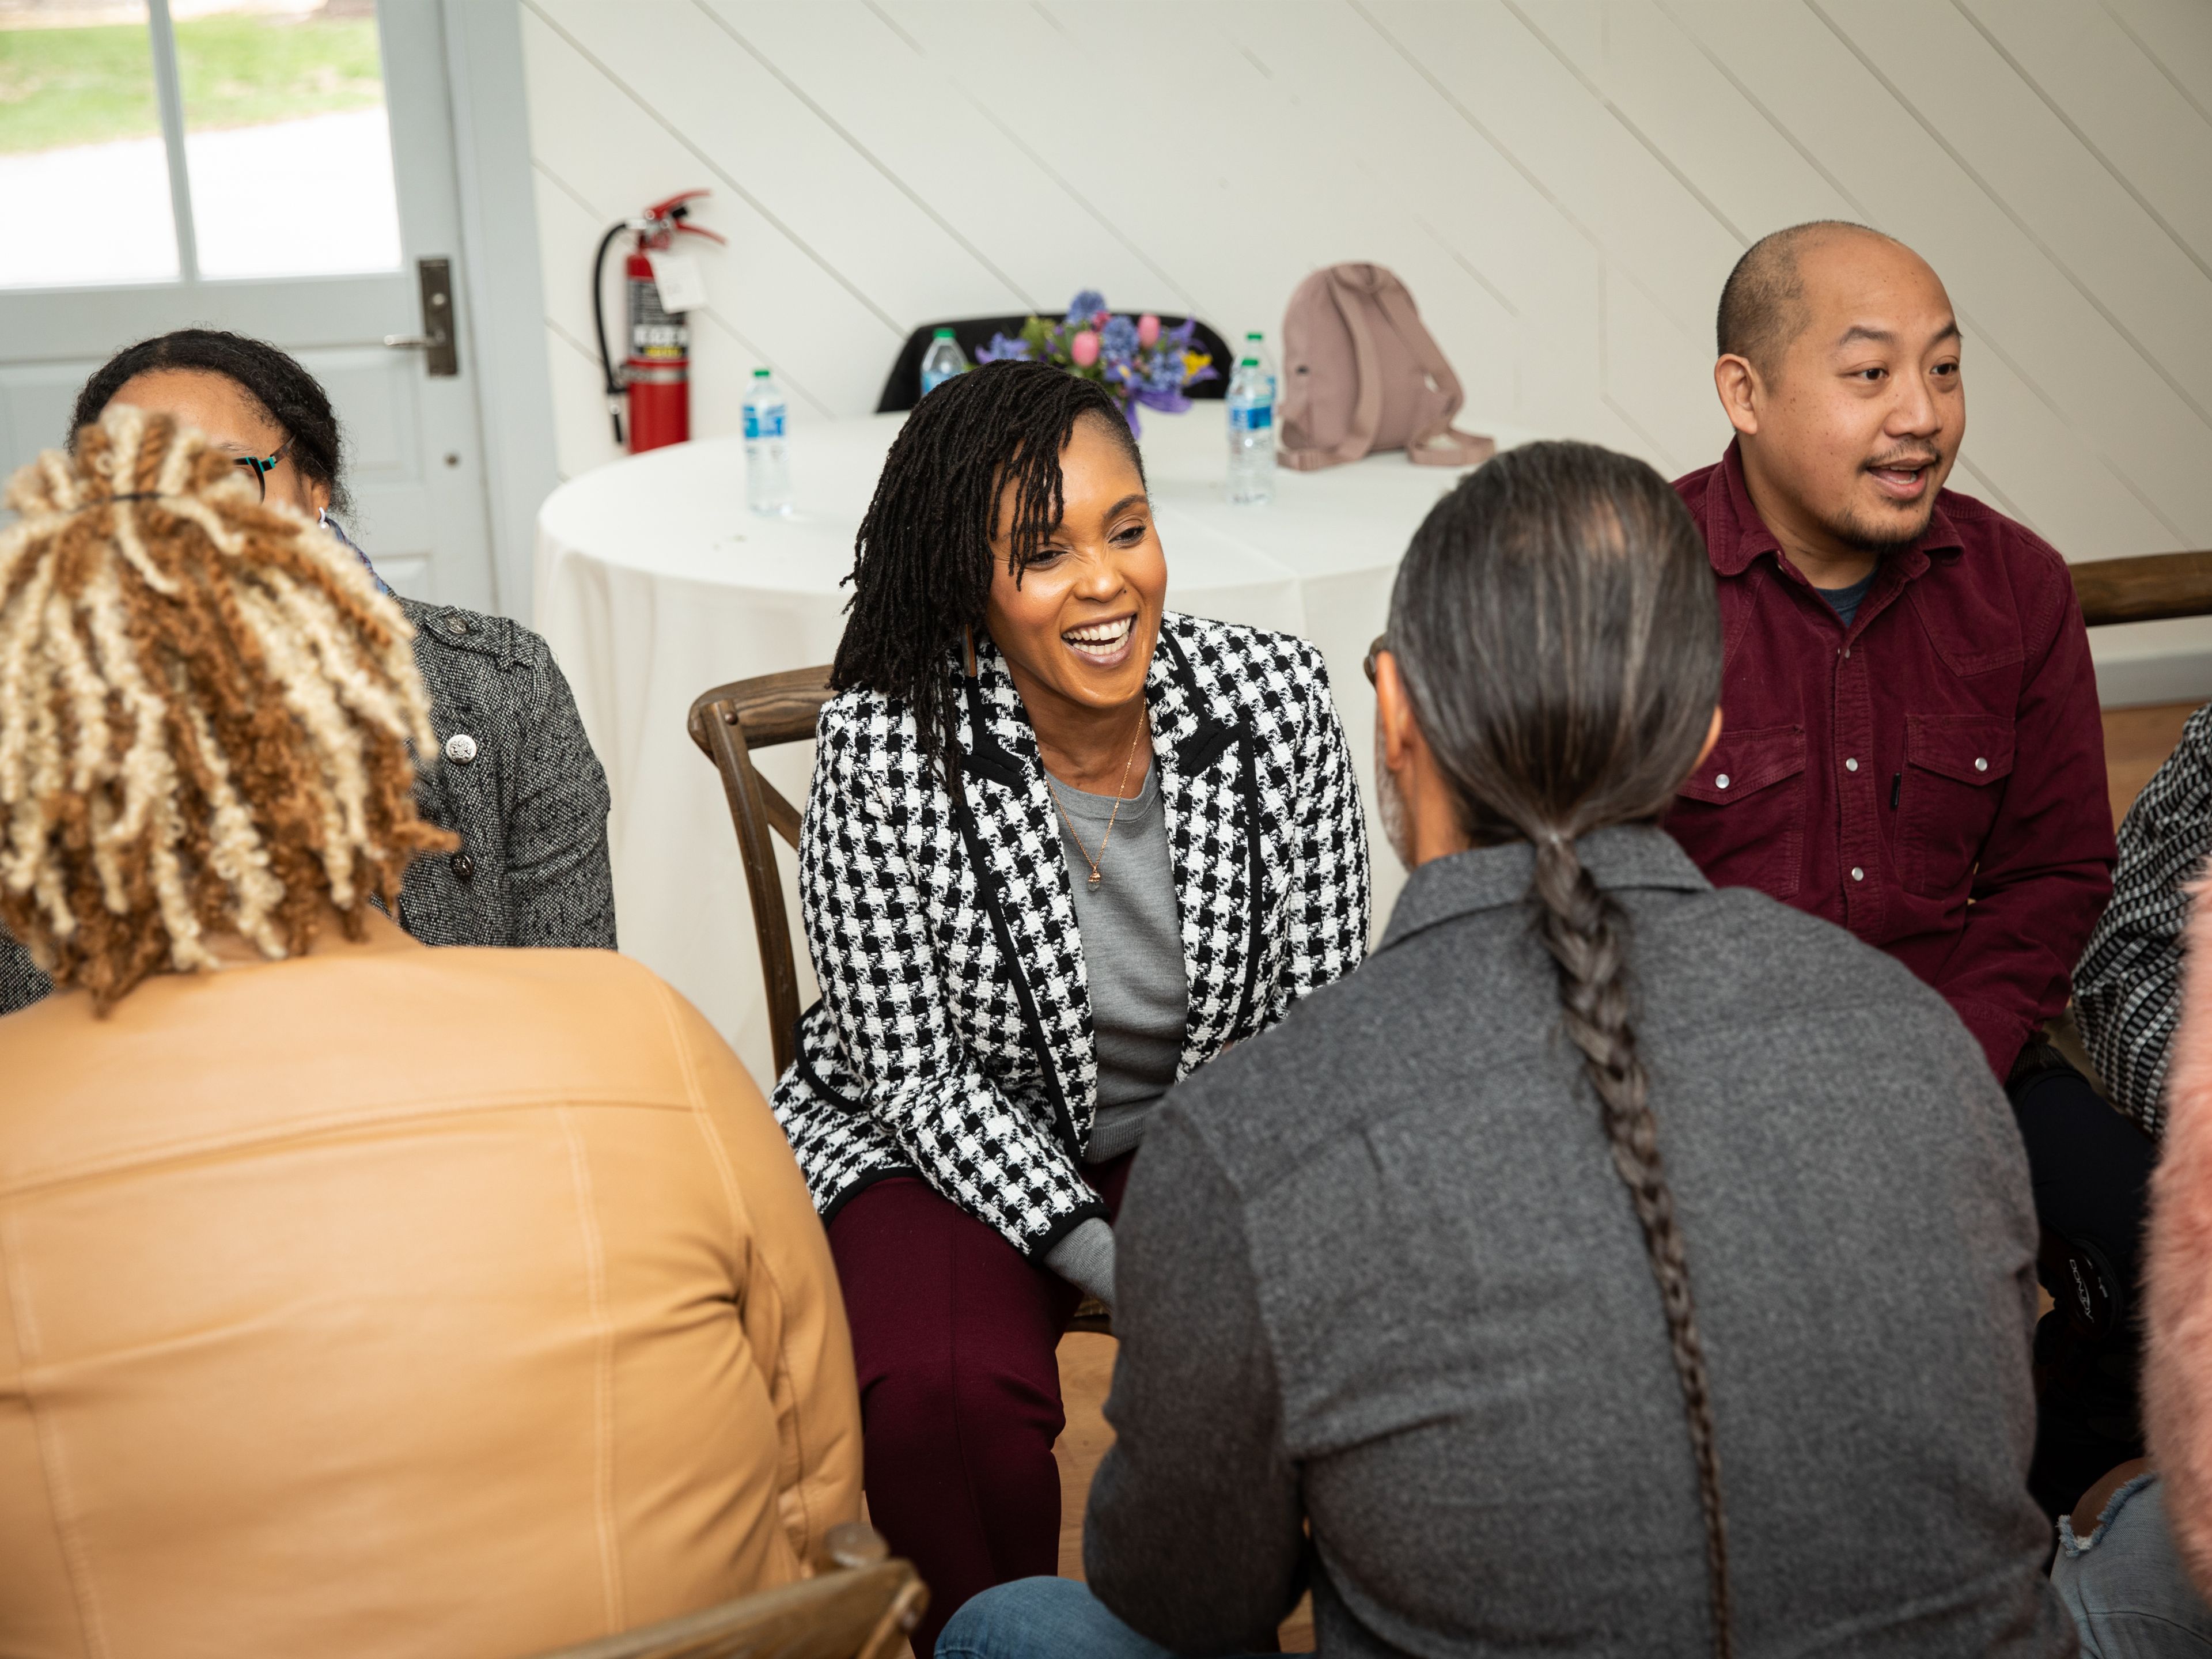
(262, 468)
(1382, 644)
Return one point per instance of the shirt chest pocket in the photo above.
(1742, 813)
(1949, 797)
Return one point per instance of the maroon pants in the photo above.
(954, 1337)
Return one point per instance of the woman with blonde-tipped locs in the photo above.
(307, 1222)
(205, 708)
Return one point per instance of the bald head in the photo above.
(1763, 303)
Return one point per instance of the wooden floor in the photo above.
(2137, 742)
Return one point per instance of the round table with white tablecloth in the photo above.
(654, 583)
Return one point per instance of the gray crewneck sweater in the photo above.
(1132, 959)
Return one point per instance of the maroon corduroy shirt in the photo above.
(1945, 748)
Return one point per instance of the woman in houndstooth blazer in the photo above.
(983, 948)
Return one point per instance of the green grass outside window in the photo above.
(64, 86)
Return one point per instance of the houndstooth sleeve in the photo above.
(876, 863)
(1328, 908)
(2127, 990)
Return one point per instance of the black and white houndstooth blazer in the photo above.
(953, 1039)
(2127, 991)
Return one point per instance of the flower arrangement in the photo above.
(1133, 357)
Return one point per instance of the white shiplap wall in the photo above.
(1563, 183)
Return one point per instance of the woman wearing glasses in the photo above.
(516, 778)
(1063, 846)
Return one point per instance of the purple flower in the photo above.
(1003, 348)
(1085, 306)
(1164, 374)
(1119, 337)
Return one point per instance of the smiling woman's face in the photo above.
(1079, 627)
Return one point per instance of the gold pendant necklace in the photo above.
(1097, 874)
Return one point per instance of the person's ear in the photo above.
(1741, 391)
(1712, 737)
(1394, 714)
(318, 497)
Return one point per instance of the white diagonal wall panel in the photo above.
(1563, 183)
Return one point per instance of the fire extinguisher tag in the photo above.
(682, 282)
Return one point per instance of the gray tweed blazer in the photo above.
(531, 807)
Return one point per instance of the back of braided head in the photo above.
(922, 573)
(205, 715)
(1556, 628)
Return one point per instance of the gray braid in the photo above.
(1557, 629)
(1586, 931)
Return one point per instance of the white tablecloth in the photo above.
(653, 583)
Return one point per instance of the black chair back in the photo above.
(903, 390)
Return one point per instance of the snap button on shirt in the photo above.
(1981, 764)
(1850, 764)
(1721, 782)
(1857, 874)
(461, 749)
(465, 866)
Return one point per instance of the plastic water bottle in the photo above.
(1251, 434)
(768, 463)
(1256, 345)
(943, 359)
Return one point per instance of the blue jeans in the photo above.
(2124, 1582)
(1044, 1619)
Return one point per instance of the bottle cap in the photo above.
(760, 374)
(942, 334)
(1249, 362)
(1254, 335)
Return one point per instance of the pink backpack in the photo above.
(1360, 373)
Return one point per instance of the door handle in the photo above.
(435, 342)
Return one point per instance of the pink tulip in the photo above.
(1148, 329)
(1084, 348)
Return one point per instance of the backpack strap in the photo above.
(1443, 444)
(1366, 412)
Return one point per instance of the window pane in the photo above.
(285, 137)
(84, 179)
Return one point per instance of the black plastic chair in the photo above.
(903, 390)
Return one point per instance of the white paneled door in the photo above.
(283, 168)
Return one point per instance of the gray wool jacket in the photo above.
(1377, 1276)
(531, 807)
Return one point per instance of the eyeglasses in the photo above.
(1382, 644)
(261, 469)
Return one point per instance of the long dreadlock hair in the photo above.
(1556, 624)
(921, 570)
(205, 715)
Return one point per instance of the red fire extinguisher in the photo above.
(656, 380)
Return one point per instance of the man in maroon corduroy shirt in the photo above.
(1913, 746)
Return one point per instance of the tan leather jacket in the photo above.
(400, 1301)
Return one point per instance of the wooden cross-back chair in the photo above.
(728, 723)
(2153, 587)
(862, 1605)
